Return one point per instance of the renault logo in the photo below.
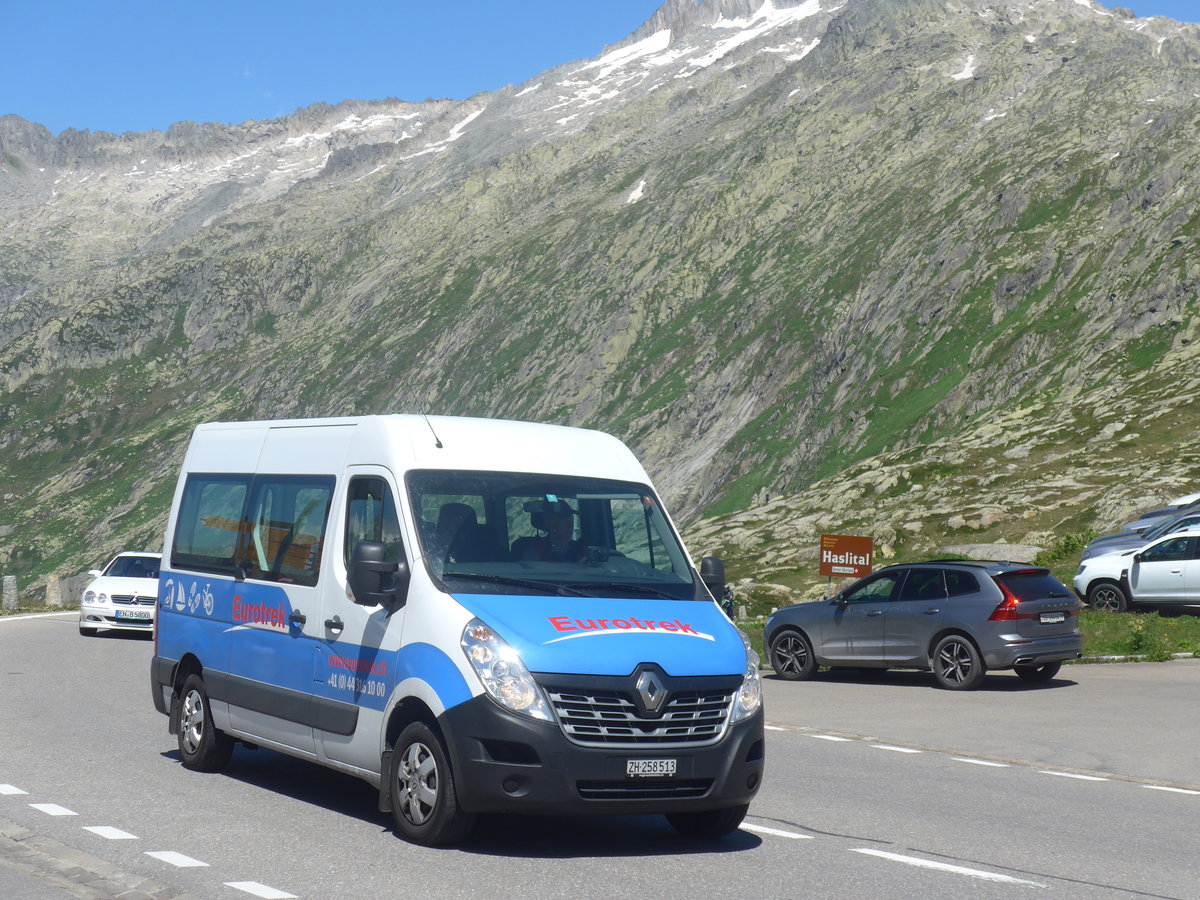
(650, 689)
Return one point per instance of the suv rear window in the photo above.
(1033, 585)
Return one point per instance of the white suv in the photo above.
(124, 595)
(1163, 571)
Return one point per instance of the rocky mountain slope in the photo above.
(927, 268)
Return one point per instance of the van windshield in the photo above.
(519, 533)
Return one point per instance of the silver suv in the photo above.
(952, 617)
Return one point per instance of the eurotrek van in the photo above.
(472, 615)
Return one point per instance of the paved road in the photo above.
(874, 789)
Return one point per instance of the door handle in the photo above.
(875, 612)
(297, 618)
(335, 624)
(932, 612)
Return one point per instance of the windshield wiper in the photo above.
(548, 587)
(635, 588)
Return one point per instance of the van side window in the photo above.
(371, 516)
(210, 515)
(285, 528)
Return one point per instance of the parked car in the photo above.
(122, 596)
(1166, 571)
(1154, 516)
(955, 618)
(1135, 540)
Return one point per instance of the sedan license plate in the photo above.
(139, 614)
(649, 768)
(1053, 618)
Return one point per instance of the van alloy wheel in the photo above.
(202, 746)
(418, 779)
(424, 799)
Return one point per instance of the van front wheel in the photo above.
(202, 746)
(711, 823)
(424, 802)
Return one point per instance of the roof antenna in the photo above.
(437, 441)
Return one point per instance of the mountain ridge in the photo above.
(762, 254)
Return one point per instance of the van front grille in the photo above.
(610, 717)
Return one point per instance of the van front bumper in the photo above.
(504, 762)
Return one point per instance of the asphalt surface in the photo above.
(876, 787)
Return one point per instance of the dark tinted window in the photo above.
(371, 516)
(1169, 551)
(133, 567)
(873, 588)
(210, 515)
(1033, 585)
(959, 583)
(923, 584)
(286, 527)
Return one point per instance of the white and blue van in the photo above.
(473, 615)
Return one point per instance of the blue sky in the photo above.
(134, 65)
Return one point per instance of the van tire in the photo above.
(424, 801)
(711, 823)
(202, 746)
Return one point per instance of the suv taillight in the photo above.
(1007, 610)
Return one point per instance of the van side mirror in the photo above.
(375, 581)
(712, 573)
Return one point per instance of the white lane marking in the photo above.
(946, 867)
(11, 790)
(773, 728)
(895, 749)
(72, 612)
(53, 809)
(1159, 787)
(980, 762)
(113, 834)
(175, 859)
(1072, 775)
(260, 890)
(829, 737)
(763, 829)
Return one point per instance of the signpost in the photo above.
(843, 554)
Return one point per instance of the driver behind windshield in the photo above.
(557, 520)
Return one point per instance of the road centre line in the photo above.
(981, 762)
(1174, 790)
(175, 859)
(946, 867)
(763, 829)
(1072, 775)
(11, 790)
(895, 749)
(53, 809)
(830, 737)
(112, 834)
(260, 890)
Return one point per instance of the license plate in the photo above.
(140, 614)
(1053, 618)
(649, 768)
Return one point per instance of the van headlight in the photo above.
(749, 698)
(502, 673)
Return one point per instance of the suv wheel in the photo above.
(956, 664)
(792, 656)
(1107, 596)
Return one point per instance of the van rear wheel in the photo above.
(711, 823)
(202, 747)
(424, 801)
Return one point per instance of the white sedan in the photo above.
(1161, 572)
(122, 596)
